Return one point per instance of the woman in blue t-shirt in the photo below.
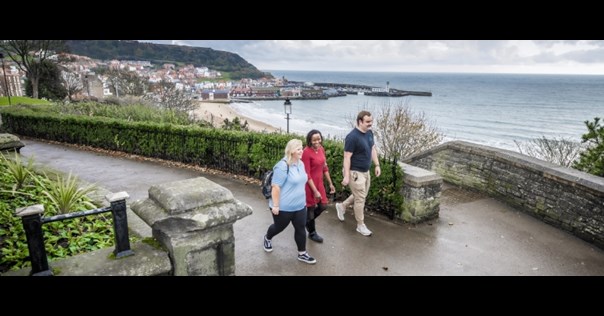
(288, 199)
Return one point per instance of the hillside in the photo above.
(222, 61)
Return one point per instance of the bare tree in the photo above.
(29, 55)
(168, 97)
(561, 151)
(72, 83)
(401, 133)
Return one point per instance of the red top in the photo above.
(315, 164)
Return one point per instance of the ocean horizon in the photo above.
(488, 109)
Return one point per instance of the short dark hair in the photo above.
(309, 136)
(361, 115)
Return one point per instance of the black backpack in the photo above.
(267, 180)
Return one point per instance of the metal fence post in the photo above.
(120, 224)
(32, 224)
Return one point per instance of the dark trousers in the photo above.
(313, 213)
(281, 221)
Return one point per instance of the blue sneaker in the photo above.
(305, 257)
(268, 245)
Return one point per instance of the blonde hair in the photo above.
(290, 148)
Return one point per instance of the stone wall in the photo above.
(565, 198)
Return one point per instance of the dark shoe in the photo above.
(305, 257)
(315, 237)
(268, 245)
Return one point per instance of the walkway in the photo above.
(474, 235)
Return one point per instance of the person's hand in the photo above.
(318, 195)
(345, 181)
(275, 210)
(378, 170)
(332, 189)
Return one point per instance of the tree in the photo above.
(72, 83)
(123, 82)
(50, 82)
(561, 151)
(168, 97)
(401, 133)
(30, 55)
(592, 159)
(235, 125)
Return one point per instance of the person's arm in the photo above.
(376, 162)
(276, 195)
(314, 189)
(332, 189)
(281, 175)
(307, 168)
(346, 168)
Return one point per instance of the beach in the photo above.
(217, 112)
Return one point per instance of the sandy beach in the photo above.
(218, 112)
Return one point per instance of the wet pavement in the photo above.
(474, 235)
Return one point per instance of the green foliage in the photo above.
(22, 100)
(50, 84)
(15, 169)
(334, 154)
(240, 152)
(65, 194)
(61, 238)
(384, 193)
(136, 112)
(235, 125)
(592, 159)
(222, 61)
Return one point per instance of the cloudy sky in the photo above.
(480, 56)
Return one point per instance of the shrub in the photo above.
(592, 159)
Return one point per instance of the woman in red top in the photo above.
(315, 164)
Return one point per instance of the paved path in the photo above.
(474, 235)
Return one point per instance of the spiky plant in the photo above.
(66, 195)
(17, 170)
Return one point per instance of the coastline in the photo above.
(217, 112)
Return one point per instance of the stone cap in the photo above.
(418, 177)
(184, 195)
(30, 210)
(10, 141)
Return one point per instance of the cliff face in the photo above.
(222, 61)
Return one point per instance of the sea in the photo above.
(488, 109)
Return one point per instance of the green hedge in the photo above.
(238, 152)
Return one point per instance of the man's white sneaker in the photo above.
(363, 230)
(340, 211)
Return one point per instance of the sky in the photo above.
(465, 56)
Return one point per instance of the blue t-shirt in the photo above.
(360, 145)
(293, 194)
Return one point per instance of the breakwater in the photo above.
(349, 88)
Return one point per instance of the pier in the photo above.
(349, 88)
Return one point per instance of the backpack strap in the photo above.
(287, 172)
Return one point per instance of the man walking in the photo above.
(359, 151)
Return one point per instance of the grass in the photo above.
(22, 100)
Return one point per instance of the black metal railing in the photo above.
(32, 220)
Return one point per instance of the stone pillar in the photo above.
(422, 194)
(193, 219)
